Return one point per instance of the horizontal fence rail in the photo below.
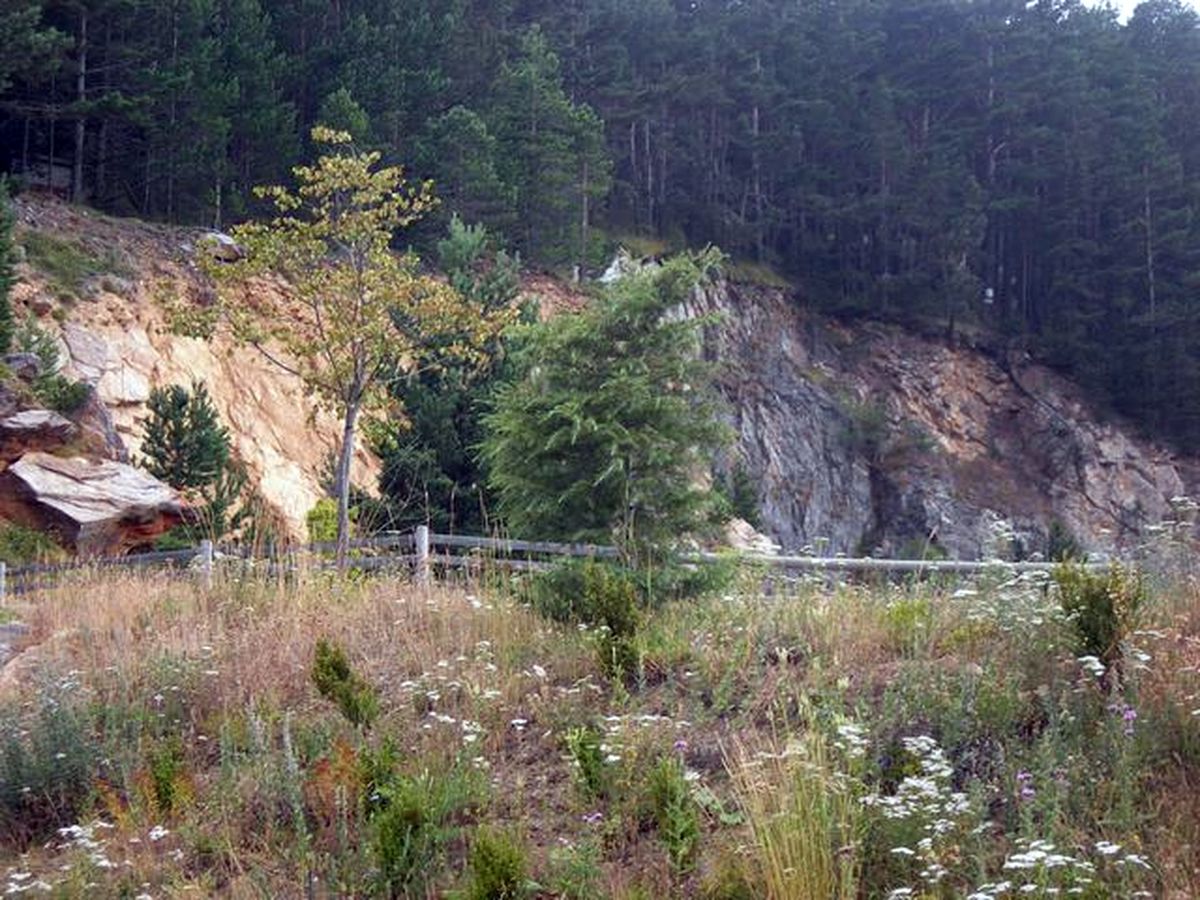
(422, 551)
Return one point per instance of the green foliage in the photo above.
(1103, 608)
(432, 473)
(743, 495)
(185, 443)
(7, 275)
(356, 698)
(605, 596)
(867, 428)
(20, 545)
(67, 263)
(594, 775)
(167, 768)
(322, 519)
(1061, 544)
(909, 624)
(50, 387)
(675, 815)
(498, 867)
(613, 413)
(412, 827)
(47, 762)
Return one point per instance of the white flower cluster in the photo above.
(927, 801)
(1039, 869)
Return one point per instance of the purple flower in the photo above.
(1025, 785)
(681, 746)
(1130, 716)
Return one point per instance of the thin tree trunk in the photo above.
(80, 118)
(343, 482)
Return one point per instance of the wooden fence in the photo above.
(422, 552)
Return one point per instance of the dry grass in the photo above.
(473, 687)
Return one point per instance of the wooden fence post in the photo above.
(422, 545)
(206, 563)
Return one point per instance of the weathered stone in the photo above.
(968, 454)
(220, 246)
(33, 429)
(99, 430)
(95, 508)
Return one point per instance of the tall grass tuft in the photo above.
(803, 819)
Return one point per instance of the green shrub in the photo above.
(51, 388)
(1102, 607)
(909, 623)
(498, 867)
(47, 764)
(674, 812)
(168, 776)
(322, 521)
(412, 826)
(355, 697)
(20, 545)
(584, 745)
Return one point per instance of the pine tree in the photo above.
(184, 443)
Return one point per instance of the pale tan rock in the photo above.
(95, 508)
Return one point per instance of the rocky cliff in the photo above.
(100, 285)
(867, 438)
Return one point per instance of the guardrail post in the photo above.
(422, 545)
(206, 564)
(3, 582)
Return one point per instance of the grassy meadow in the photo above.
(366, 737)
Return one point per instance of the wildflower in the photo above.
(157, 833)
(1025, 788)
(680, 746)
(593, 818)
(1130, 716)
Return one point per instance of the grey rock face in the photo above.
(872, 439)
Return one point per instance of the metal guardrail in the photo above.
(427, 550)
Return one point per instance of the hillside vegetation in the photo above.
(1028, 166)
(334, 737)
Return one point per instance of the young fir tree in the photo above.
(603, 436)
(185, 444)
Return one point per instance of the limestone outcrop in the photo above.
(117, 338)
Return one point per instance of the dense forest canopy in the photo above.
(1031, 168)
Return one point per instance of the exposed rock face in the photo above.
(96, 508)
(871, 439)
(121, 344)
(33, 429)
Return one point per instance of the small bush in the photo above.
(354, 696)
(170, 787)
(20, 545)
(1102, 607)
(47, 764)
(584, 745)
(51, 388)
(412, 827)
(674, 811)
(909, 623)
(498, 867)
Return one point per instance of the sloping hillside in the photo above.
(99, 284)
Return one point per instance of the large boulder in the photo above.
(96, 508)
(33, 429)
